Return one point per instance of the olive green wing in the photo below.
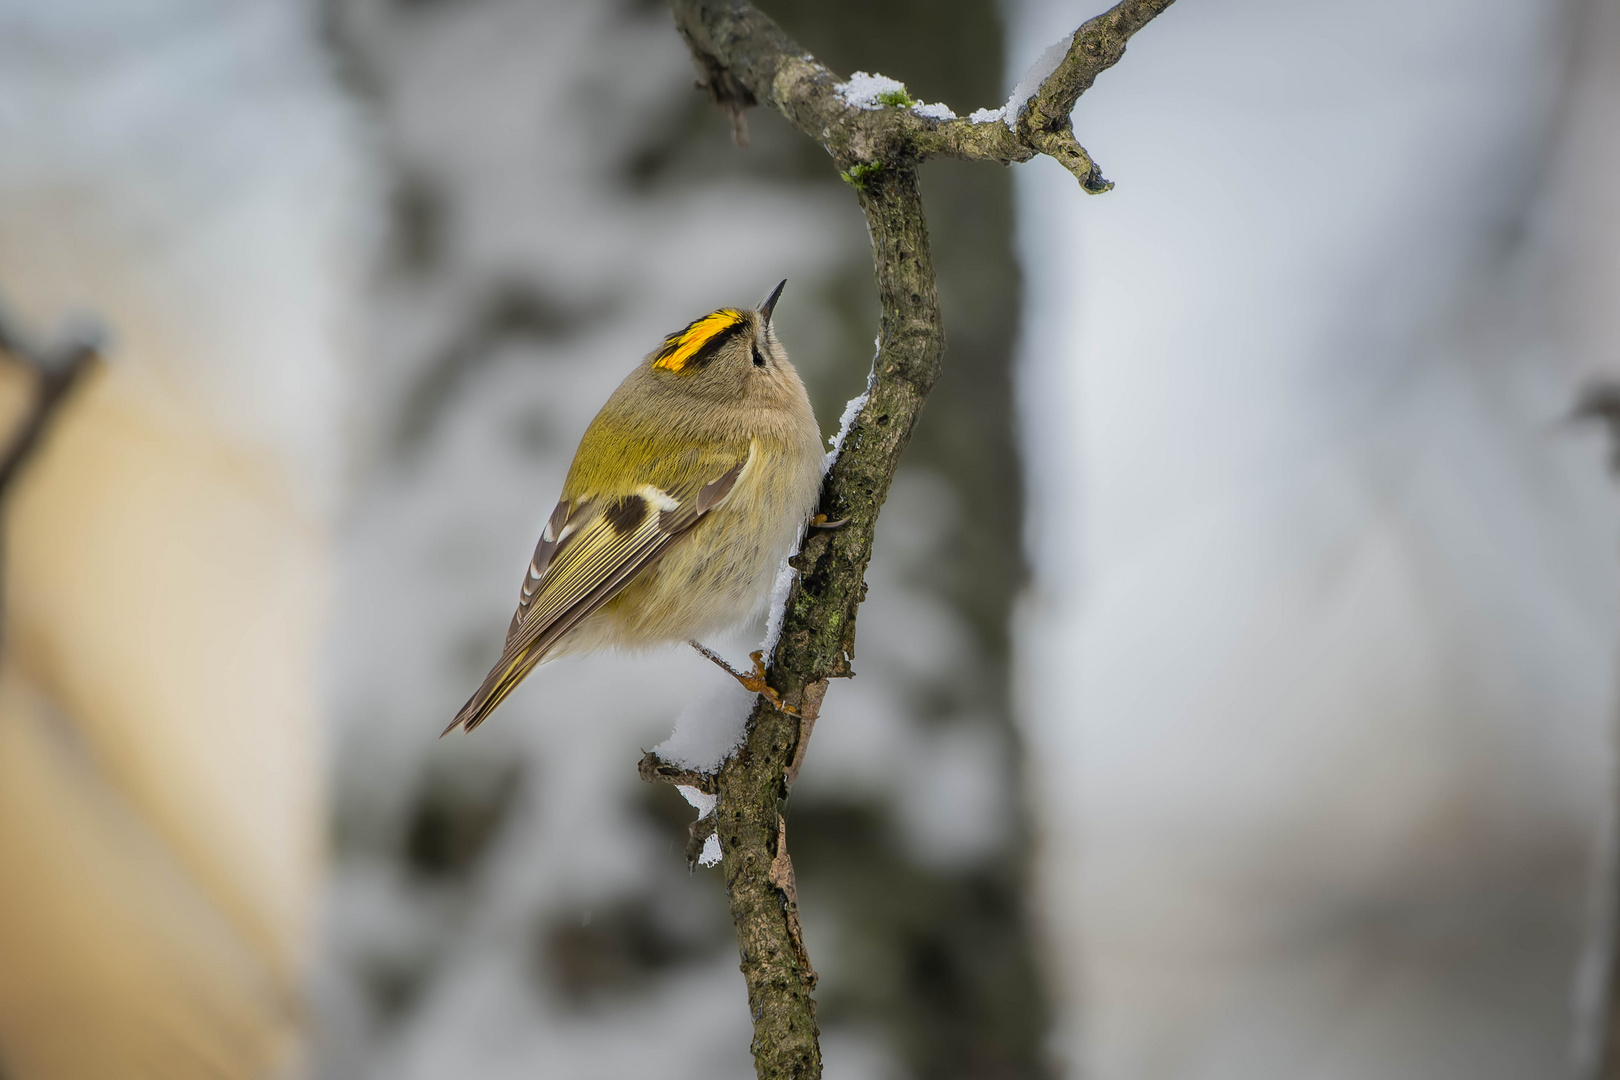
(590, 550)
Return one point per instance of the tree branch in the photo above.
(743, 58)
(1597, 1004)
(1098, 45)
(56, 371)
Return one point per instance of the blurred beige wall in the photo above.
(159, 801)
(189, 175)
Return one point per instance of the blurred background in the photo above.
(1237, 677)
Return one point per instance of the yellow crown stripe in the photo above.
(680, 347)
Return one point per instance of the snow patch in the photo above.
(711, 851)
(778, 609)
(863, 90)
(701, 801)
(1038, 73)
(852, 409)
(708, 729)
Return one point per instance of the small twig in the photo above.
(731, 96)
(655, 770)
(1098, 45)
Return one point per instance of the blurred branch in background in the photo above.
(1581, 149)
(1597, 1020)
(1600, 401)
(56, 370)
(876, 135)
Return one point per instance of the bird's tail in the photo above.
(502, 679)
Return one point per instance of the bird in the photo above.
(691, 485)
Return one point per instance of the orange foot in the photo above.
(754, 683)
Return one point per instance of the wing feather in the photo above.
(563, 527)
(587, 554)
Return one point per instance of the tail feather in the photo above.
(501, 681)
(522, 652)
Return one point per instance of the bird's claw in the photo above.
(754, 682)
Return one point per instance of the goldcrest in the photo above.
(688, 489)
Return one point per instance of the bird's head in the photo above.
(730, 355)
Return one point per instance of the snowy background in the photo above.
(562, 198)
(1238, 670)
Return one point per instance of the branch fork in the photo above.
(743, 59)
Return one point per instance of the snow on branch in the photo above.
(871, 120)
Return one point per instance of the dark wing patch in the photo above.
(625, 513)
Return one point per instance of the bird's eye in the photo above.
(759, 358)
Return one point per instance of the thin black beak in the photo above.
(769, 304)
